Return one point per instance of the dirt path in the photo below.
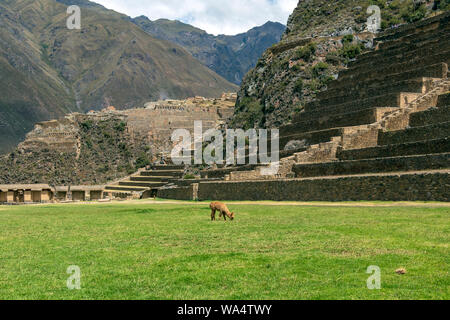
(283, 203)
(265, 203)
(316, 204)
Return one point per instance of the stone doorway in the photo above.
(36, 196)
(78, 196)
(96, 195)
(19, 196)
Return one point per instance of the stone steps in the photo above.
(414, 28)
(398, 186)
(410, 43)
(372, 59)
(395, 67)
(125, 189)
(151, 178)
(168, 167)
(415, 34)
(418, 85)
(221, 173)
(443, 100)
(435, 43)
(430, 116)
(404, 149)
(393, 100)
(438, 70)
(355, 118)
(163, 173)
(141, 184)
(429, 132)
(378, 165)
(403, 45)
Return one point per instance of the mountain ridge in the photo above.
(230, 56)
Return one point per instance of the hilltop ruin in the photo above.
(107, 145)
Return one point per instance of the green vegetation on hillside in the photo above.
(161, 251)
(105, 155)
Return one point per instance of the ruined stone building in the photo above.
(89, 150)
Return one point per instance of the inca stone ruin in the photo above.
(379, 132)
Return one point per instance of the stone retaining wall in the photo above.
(180, 193)
(404, 149)
(431, 116)
(436, 131)
(411, 187)
(398, 164)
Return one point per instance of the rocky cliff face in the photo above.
(230, 56)
(47, 70)
(320, 39)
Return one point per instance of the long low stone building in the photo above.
(43, 193)
(25, 193)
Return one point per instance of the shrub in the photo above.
(120, 126)
(319, 68)
(306, 52)
(348, 38)
(443, 5)
(142, 161)
(411, 13)
(314, 85)
(87, 125)
(251, 115)
(333, 58)
(351, 51)
(298, 86)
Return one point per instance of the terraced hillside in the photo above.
(322, 37)
(380, 131)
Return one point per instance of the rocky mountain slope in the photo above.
(47, 70)
(320, 39)
(230, 56)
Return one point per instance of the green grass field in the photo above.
(174, 251)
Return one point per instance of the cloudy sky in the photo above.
(215, 16)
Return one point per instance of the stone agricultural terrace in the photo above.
(380, 132)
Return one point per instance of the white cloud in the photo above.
(214, 16)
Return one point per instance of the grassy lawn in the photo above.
(173, 251)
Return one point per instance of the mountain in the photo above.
(230, 56)
(47, 70)
(320, 39)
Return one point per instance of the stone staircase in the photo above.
(380, 131)
(147, 180)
